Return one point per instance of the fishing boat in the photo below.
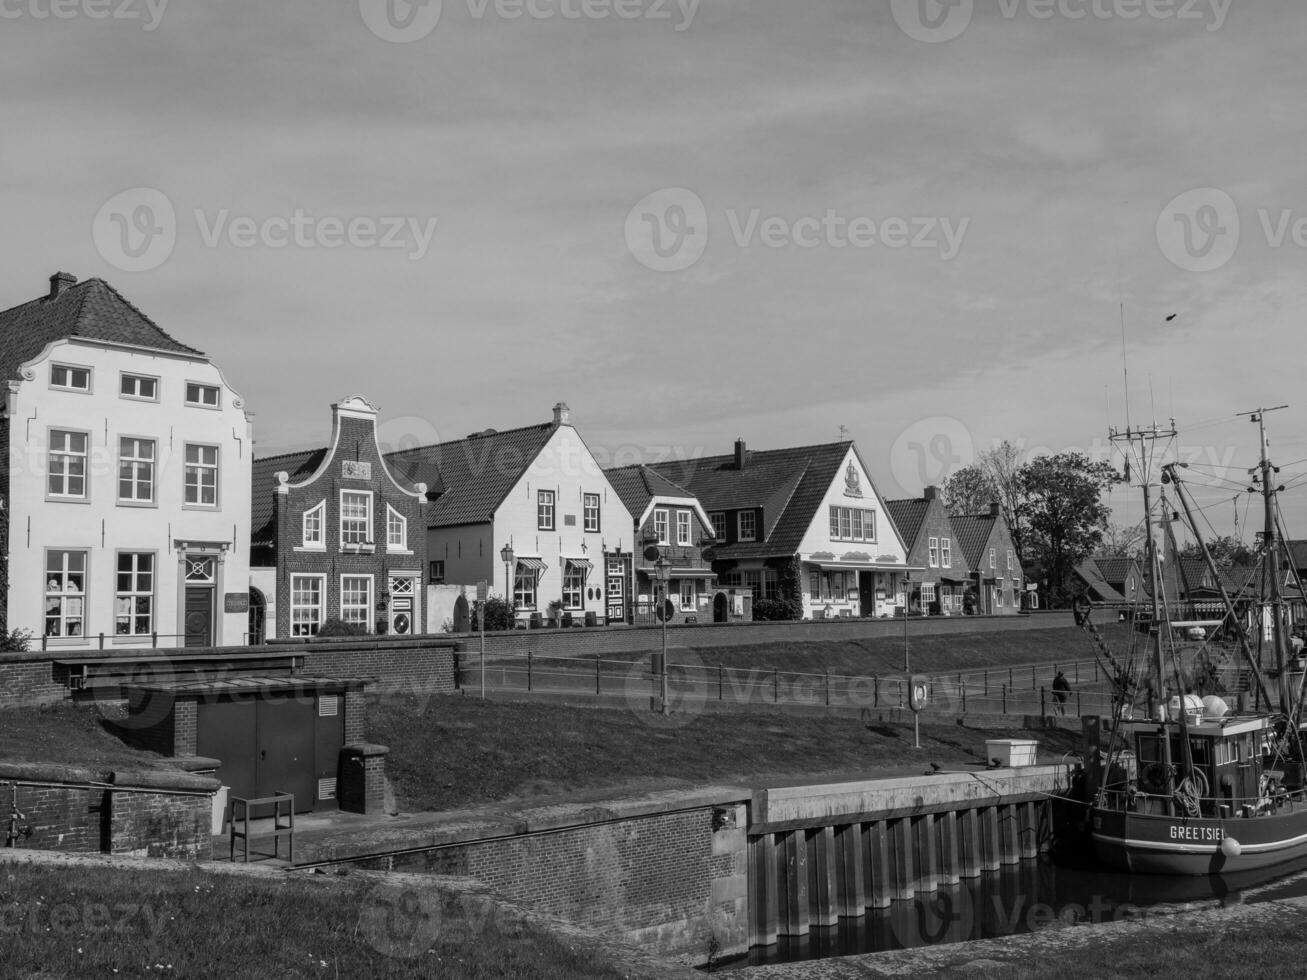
(1188, 782)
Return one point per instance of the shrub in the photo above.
(775, 610)
(500, 615)
(16, 641)
(338, 627)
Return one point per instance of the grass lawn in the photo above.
(68, 734)
(450, 752)
(929, 654)
(106, 922)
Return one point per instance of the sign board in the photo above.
(401, 605)
(355, 469)
(483, 591)
(920, 692)
(236, 602)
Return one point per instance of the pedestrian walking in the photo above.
(1061, 691)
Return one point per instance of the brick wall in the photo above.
(393, 668)
(31, 679)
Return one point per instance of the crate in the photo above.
(1011, 752)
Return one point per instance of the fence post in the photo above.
(1004, 699)
(529, 657)
(598, 663)
(1077, 672)
(721, 672)
(986, 683)
(1034, 681)
(1043, 710)
(776, 685)
(964, 699)
(875, 692)
(154, 639)
(1080, 710)
(828, 687)
(101, 641)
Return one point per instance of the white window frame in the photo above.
(313, 527)
(436, 571)
(928, 596)
(689, 595)
(364, 608)
(298, 626)
(396, 531)
(662, 525)
(61, 593)
(127, 376)
(546, 510)
(752, 534)
(684, 527)
(133, 595)
(200, 467)
(138, 463)
(590, 510)
(1011, 559)
(993, 559)
(718, 519)
(68, 455)
(573, 587)
(852, 524)
(526, 588)
(349, 525)
(932, 545)
(69, 370)
(199, 401)
(946, 552)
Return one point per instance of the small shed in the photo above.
(271, 734)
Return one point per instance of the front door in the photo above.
(284, 763)
(199, 616)
(721, 608)
(403, 605)
(616, 590)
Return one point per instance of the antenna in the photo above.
(1125, 368)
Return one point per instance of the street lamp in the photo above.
(506, 554)
(907, 610)
(663, 568)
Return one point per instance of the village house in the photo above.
(337, 535)
(996, 581)
(805, 525)
(125, 478)
(531, 511)
(924, 524)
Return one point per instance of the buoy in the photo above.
(1231, 848)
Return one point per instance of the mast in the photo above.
(1272, 543)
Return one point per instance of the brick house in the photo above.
(805, 524)
(925, 526)
(338, 535)
(125, 478)
(996, 580)
(671, 524)
(539, 491)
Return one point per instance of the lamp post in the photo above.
(663, 568)
(507, 555)
(907, 609)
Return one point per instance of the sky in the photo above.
(931, 226)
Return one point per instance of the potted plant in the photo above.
(555, 613)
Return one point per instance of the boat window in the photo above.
(1150, 749)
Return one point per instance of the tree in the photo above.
(1061, 499)
(1226, 552)
(968, 491)
(1003, 469)
(1122, 542)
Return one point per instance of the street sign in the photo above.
(920, 692)
(483, 591)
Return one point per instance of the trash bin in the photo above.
(591, 619)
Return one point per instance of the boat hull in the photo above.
(1152, 844)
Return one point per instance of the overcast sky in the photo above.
(917, 221)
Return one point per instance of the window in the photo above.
(136, 470)
(814, 585)
(992, 562)
(591, 512)
(661, 530)
(69, 377)
(139, 386)
(927, 595)
(134, 598)
(852, 524)
(305, 604)
(66, 474)
(683, 528)
(1011, 559)
(718, 525)
(752, 580)
(437, 569)
(205, 396)
(356, 600)
(934, 552)
(355, 517)
(524, 587)
(313, 524)
(946, 552)
(396, 529)
(746, 526)
(201, 475)
(689, 598)
(998, 596)
(65, 593)
(573, 586)
(545, 510)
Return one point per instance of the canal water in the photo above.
(1029, 897)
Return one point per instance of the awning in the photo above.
(585, 564)
(952, 581)
(704, 573)
(852, 566)
(536, 565)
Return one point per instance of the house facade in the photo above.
(925, 526)
(126, 478)
(804, 525)
(338, 535)
(996, 581)
(539, 492)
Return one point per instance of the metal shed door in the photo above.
(285, 749)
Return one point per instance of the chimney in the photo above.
(61, 281)
(994, 509)
(932, 493)
(562, 414)
(741, 454)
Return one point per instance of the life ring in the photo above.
(1154, 777)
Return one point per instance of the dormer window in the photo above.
(747, 526)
